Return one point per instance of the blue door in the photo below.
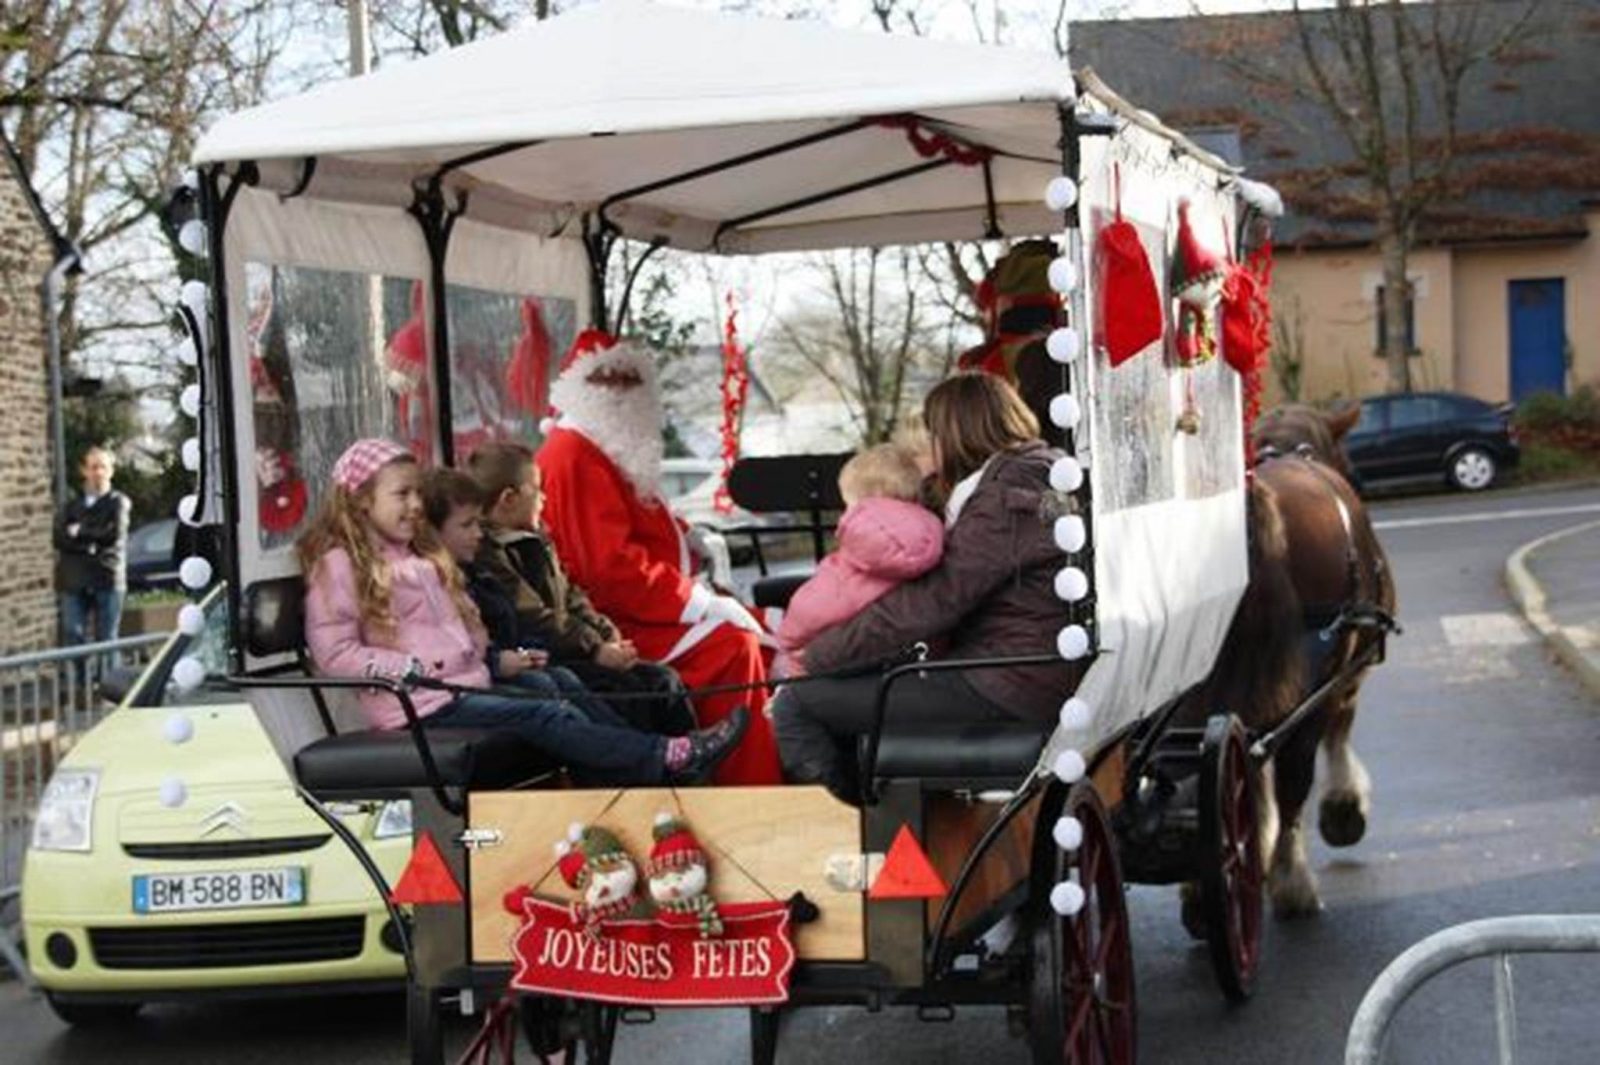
(1538, 337)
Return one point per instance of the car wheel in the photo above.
(93, 1014)
(1472, 469)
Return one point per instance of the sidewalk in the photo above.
(1556, 582)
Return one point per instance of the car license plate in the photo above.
(233, 890)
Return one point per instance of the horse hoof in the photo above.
(1295, 905)
(1194, 921)
(1342, 821)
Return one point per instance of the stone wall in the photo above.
(27, 597)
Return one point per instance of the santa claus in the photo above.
(601, 466)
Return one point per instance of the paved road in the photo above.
(1487, 763)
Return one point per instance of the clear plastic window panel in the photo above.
(1216, 453)
(334, 356)
(505, 351)
(1133, 417)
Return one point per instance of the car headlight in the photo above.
(393, 820)
(66, 812)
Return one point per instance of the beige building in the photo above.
(1483, 317)
(27, 594)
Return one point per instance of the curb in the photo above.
(1530, 597)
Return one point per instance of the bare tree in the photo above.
(1388, 79)
(869, 337)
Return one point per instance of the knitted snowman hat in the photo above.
(588, 850)
(675, 846)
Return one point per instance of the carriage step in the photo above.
(938, 1014)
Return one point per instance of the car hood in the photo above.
(137, 749)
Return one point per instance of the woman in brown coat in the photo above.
(992, 595)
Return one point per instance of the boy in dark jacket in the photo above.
(549, 608)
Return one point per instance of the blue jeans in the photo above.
(555, 682)
(604, 754)
(106, 606)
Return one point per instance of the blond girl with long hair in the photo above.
(383, 599)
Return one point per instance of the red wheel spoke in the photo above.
(1108, 940)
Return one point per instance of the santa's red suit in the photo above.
(631, 556)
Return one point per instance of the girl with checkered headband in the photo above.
(385, 599)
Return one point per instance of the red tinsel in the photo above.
(1247, 315)
(929, 143)
(735, 386)
(528, 373)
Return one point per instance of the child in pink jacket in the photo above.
(384, 599)
(885, 538)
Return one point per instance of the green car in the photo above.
(172, 858)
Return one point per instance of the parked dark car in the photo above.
(1429, 434)
(152, 551)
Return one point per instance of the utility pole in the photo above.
(360, 37)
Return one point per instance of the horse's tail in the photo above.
(1259, 673)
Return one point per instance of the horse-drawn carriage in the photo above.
(384, 236)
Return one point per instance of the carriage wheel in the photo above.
(1231, 878)
(1081, 1007)
(763, 1036)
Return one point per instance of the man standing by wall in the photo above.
(91, 538)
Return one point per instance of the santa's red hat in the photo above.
(1195, 268)
(675, 846)
(589, 342)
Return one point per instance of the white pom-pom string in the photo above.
(575, 831)
(1063, 275)
(188, 673)
(192, 237)
(1072, 585)
(1069, 767)
(1061, 193)
(191, 619)
(194, 572)
(1065, 474)
(1063, 345)
(174, 792)
(189, 453)
(189, 400)
(1065, 411)
(1070, 533)
(1066, 898)
(189, 509)
(196, 296)
(178, 729)
(1073, 642)
(1075, 714)
(1068, 833)
(562, 848)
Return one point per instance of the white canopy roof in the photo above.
(625, 94)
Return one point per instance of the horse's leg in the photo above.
(1347, 798)
(1290, 880)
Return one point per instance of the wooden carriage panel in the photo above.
(779, 838)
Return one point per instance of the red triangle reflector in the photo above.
(907, 873)
(426, 879)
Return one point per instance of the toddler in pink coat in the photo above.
(886, 537)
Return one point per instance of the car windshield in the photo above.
(210, 646)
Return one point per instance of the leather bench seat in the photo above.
(777, 591)
(982, 752)
(355, 762)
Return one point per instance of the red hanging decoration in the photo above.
(1247, 332)
(528, 372)
(930, 143)
(405, 363)
(735, 387)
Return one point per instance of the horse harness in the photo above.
(1354, 612)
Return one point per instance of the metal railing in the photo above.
(47, 700)
(1498, 938)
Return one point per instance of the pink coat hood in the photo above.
(882, 543)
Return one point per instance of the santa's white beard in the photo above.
(625, 423)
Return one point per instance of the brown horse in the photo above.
(1315, 565)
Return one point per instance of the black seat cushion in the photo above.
(353, 762)
(274, 617)
(777, 591)
(980, 752)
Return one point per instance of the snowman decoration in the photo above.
(593, 861)
(679, 875)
